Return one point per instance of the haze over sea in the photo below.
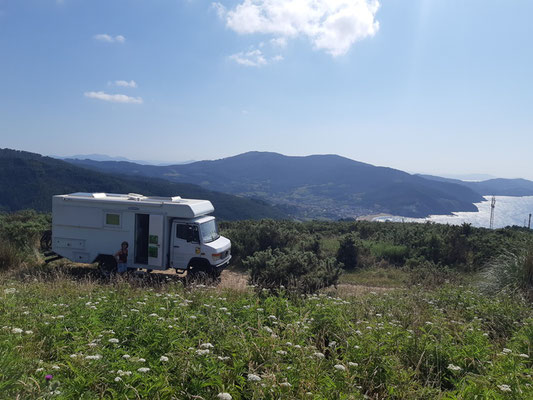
(509, 211)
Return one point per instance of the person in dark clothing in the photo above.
(122, 258)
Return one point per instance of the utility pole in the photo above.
(492, 206)
(529, 223)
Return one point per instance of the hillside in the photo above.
(30, 180)
(327, 186)
(496, 187)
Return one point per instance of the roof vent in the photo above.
(99, 195)
(135, 196)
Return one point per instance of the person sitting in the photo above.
(122, 258)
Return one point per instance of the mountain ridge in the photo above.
(29, 180)
(319, 186)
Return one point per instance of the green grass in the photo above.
(406, 344)
(381, 277)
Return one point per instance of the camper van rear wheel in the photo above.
(107, 265)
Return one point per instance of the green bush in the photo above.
(510, 272)
(10, 256)
(395, 254)
(24, 228)
(300, 272)
(349, 249)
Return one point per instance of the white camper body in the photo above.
(162, 232)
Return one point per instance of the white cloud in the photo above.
(252, 58)
(331, 25)
(104, 37)
(113, 98)
(219, 9)
(127, 84)
(279, 42)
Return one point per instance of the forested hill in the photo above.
(29, 180)
(496, 187)
(327, 186)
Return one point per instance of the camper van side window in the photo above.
(112, 219)
(181, 231)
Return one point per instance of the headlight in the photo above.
(217, 256)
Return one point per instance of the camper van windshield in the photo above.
(209, 231)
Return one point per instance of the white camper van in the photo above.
(162, 232)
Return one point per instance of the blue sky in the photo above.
(435, 86)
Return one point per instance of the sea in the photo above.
(508, 211)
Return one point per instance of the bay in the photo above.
(507, 212)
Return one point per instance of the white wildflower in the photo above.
(269, 330)
(95, 357)
(123, 373)
(282, 352)
(118, 379)
(507, 351)
(113, 340)
(207, 346)
(453, 367)
(192, 317)
(353, 364)
(272, 317)
(319, 355)
(223, 358)
(202, 352)
(16, 330)
(56, 367)
(254, 378)
(285, 384)
(73, 355)
(39, 370)
(523, 355)
(339, 367)
(163, 358)
(224, 396)
(126, 356)
(332, 343)
(505, 388)
(10, 291)
(143, 370)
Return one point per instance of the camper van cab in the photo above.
(162, 232)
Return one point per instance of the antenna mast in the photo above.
(492, 206)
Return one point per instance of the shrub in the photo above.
(510, 272)
(10, 256)
(23, 228)
(301, 272)
(348, 253)
(392, 253)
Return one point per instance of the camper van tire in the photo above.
(200, 269)
(106, 264)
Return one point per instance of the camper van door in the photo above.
(155, 241)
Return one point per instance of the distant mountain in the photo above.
(105, 157)
(318, 186)
(496, 187)
(30, 180)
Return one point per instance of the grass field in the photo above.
(69, 338)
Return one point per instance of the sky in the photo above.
(430, 86)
